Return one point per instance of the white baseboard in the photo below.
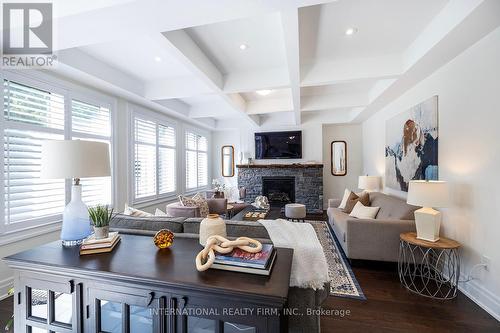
(5, 285)
(482, 297)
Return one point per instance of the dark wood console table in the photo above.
(138, 288)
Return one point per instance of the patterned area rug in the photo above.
(343, 283)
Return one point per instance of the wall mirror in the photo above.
(227, 153)
(339, 158)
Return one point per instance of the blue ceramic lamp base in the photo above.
(76, 222)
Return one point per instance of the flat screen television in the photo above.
(278, 145)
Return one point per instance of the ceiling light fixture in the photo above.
(243, 47)
(157, 59)
(264, 92)
(351, 31)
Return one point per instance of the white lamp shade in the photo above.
(369, 183)
(74, 159)
(428, 193)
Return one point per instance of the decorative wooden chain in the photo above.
(222, 245)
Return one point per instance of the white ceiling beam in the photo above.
(179, 87)
(290, 25)
(185, 50)
(326, 73)
(269, 105)
(477, 18)
(131, 19)
(100, 83)
(175, 104)
(273, 78)
(334, 101)
(87, 64)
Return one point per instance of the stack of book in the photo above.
(92, 246)
(241, 261)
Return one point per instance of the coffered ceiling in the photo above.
(235, 63)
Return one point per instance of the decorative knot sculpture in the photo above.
(206, 257)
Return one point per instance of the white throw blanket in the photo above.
(309, 266)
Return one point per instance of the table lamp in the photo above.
(75, 159)
(369, 183)
(428, 194)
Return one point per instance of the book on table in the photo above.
(91, 245)
(246, 262)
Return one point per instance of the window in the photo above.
(30, 115)
(196, 161)
(92, 122)
(154, 159)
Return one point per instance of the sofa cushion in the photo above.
(152, 223)
(233, 228)
(354, 199)
(361, 211)
(391, 207)
(197, 200)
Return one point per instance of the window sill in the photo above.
(23, 234)
(152, 202)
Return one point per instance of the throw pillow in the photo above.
(364, 212)
(364, 198)
(135, 212)
(196, 201)
(159, 212)
(344, 199)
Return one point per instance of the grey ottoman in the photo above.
(295, 211)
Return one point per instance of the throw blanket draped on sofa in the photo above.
(309, 267)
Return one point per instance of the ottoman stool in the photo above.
(295, 211)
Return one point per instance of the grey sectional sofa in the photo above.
(373, 239)
(299, 298)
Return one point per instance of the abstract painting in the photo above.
(411, 150)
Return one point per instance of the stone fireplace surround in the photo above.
(308, 182)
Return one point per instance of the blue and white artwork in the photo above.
(411, 150)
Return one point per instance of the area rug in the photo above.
(343, 283)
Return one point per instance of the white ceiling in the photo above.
(297, 48)
(384, 27)
(138, 58)
(262, 34)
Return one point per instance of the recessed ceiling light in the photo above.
(243, 47)
(351, 31)
(264, 92)
(157, 59)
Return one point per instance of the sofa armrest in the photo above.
(374, 239)
(334, 203)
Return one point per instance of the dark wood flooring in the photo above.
(391, 308)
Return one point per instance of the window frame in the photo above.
(69, 91)
(196, 131)
(147, 115)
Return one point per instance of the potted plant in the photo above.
(101, 216)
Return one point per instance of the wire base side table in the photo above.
(430, 269)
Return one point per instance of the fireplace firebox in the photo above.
(279, 190)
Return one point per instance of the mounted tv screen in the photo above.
(278, 145)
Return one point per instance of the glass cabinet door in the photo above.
(122, 312)
(50, 306)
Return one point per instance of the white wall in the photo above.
(334, 186)
(469, 156)
(225, 138)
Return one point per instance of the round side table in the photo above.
(430, 269)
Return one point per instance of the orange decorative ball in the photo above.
(163, 238)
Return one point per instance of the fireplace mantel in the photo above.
(279, 166)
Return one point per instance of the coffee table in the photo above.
(140, 288)
(274, 213)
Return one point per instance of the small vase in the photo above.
(210, 226)
(101, 232)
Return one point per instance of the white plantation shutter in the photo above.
(31, 115)
(92, 122)
(196, 161)
(154, 163)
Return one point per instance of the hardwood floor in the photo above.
(391, 308)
